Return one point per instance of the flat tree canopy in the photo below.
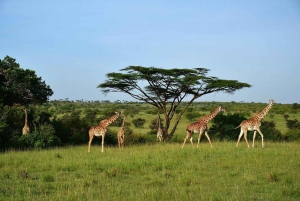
(167, 88)
(19, 86)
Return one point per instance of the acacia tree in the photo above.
(167, 88)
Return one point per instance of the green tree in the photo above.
(19, 86)
(165, 89)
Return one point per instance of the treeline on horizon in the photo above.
(64, 122)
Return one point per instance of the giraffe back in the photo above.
(201, 124)
(101, 128)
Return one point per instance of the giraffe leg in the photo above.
(102, 143)
(119, 142)
(245, 137)
(191, 140)
(123, 141)
(199, 137)
(91, 135)
(207, 136)
(90, 142)
(262, 138)
(188, 134)
(240, 135)
(254, 134)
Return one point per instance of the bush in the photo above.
(224, 126)
(292, 135)
(71, 129)
(139, 123)
(40, 139)
(269, 131)
(136, 139)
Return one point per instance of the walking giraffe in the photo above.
(100, 129)
(253, 124)
(121, 134)
(159, 135)
(26, 128)
(200, 126)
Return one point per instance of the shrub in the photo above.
(139, 122)
(224, 126)
(292, 135)
(269, 131)
(40, 139)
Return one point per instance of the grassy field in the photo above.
(153, 172)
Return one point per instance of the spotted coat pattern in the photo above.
(101, 129)
(200, 126)
(253, 124)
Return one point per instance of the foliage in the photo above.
(293, 124)
(224, 126)
(167, 88)
(193, 115)
(19, 86)
(293, 132)
(154, 126)
(268, 128)
(43, 138)
(139, 122)
(292, 135)
(71, 129)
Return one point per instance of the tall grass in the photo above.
(153, 172)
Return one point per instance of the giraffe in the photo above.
(121, 134)
(159, 135)
(200, 126)
(26, 128)
(101, 129)
(253, 124)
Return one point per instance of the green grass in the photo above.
(153, 172)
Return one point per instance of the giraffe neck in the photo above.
(265, 111)
(158, 121)
(123, 124)
(110, 120)
(25, 117)
(209, 117)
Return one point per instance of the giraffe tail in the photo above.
(237, 127)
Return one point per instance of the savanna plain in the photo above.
(156, 171)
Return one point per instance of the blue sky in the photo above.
(72, 45)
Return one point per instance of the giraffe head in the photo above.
(221, 109)
(271, 101)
